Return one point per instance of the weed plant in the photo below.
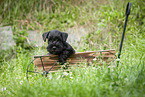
(105, 19)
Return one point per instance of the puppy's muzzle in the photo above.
(54, 49)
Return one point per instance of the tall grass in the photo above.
(105, 22)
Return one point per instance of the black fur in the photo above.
(57, 45)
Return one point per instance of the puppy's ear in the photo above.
(64, 36)
(45, 35)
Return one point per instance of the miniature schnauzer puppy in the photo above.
(57, 45)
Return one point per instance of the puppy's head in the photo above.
(56, 41)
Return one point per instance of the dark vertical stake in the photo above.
(42, 64)
(127, 14)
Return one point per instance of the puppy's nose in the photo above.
(54, 47)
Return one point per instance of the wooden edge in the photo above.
(38, 56)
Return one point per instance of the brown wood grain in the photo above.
(77, 58)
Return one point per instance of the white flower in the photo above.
(30, 75)
(70, 73)
(50, 76)
(21, 82)
(24, 77)
(4, 88)
(65, 73)
(95, 59)
(71, 77)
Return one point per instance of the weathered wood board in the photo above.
(77, 58)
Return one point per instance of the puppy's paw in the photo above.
(61, 60)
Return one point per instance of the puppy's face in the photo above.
(55, 41)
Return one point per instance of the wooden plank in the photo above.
(78, 53)
(77, 58)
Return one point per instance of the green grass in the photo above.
(126, 80)
(105, 22)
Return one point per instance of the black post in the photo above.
(127, 14)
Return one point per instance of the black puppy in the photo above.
(57, 45)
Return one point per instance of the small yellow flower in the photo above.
(21, 82)
(65, 73)
(117, 59)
